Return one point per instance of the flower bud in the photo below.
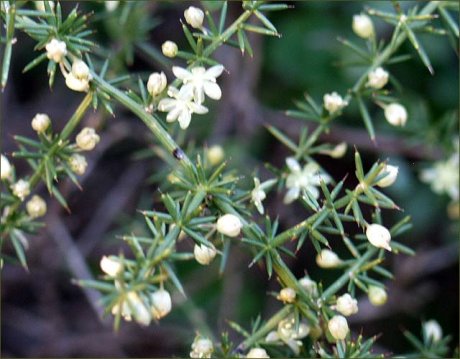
(309, 285)
(379, 236)
(111, 5)
(377, 295)
(78, 79)
(21, 189)
(347, 305)
(215, 154)
(257, 353)
(362, 26)
(396, 114)
(157, 83)
(338, 327)
(6, 168)
(390, 178)
(201, 348)
(56, 50)
(287, 295)
(80, 70)
(432, 331)
(339, 150)
(194, 17)
(77, 164)
(138, 309)
(378, 78)
(110, 266)
(87, 139)
(333, 102)
(169, 49)
(204, 254)
(36, 207)
(327, 259)
(40, 122)
(161, 303)
(229, 225)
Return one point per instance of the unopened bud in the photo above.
(215, 154)
(327, 259)
(87, 139)
(362, 26)
(338, 327)
(390, 177)
(6, 168)
(157, 83)
(110, 266)
(194, 17)
(377, 295)
(138, 309)
(333, 102)
(396, 114)
(229, 225)
(378, 78)
(257, 353)
(36, 207)
(40, 122)
(78, 164)
(78, 79)
(169, 49)
(287, 295)
(379, 236)
(204, 254)
(161, 303)
(21, 189)
(432, 331)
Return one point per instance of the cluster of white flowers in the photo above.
(289, 334)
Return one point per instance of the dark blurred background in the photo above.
(44, 315)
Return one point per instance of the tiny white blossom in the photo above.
(169, 49)
(6, 168)
(156, 83)
(110, 266)
(258, 195)
(40, 122)
(229, 225)
(87, 139)
(377, 295)
(396, 114)
(36, 207)
(338, 327)
(289, 334)
(390, 177)
(257, 353)
(347, 305)
(378, 78)
(287, 295)
(333, 102)
(200, 81)
(215, 154)
(327, 259)
(362, 26)
(194, 17)
(432, 331)
(21, 189)
(161, 303)
(180, 106)
(306, 179)
(77, 164)
(201, 348)
(56, 50)
(378, 236)
(204, 254)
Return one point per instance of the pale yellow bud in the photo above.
(338, 327)
(204, 254)
(110, 266)
(161, 303)
(215, 154)
(327, 259)
(287, 295)
(138, 309)
(378, 236)
(377, 295)
(40, 122)
(362, 26)
(157, 83)
(77, 164)
(396, 114)
(36, 207)
(87, 139)
(333, 102)
(169, 49)
(391, 175)
(347, 305)
(229, 225)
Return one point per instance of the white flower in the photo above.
(200, 81)
(327, 259)
(258, 195)
(432, 331)
(6, 168)
(333, 102)
(36, 207)
(229, 225)
(21, 189)
(201, 348)
(215, 154)
(396, 114)
(287, 295)
(287, 334)
(347, 305)
(307, 179)
(338, 327)
(161, 303)
(111, 5)
(378, 78)
(257, 353)
(180, 106)
(377, 295)
(110, 266)
(56, 50)
(309, 286)
(78, 164)
(444, 176)
(194, 17)
(379, 236)
(79, 77)
(362, 26)
(87, 139)
(390, 177)
(169, 49)
(204, 254)
(40, 122)
(156, 83)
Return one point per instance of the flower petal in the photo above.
(291, 195)
(181, 73)
(197, 108)
(212, 90)
(184, 119)
(173, 114)
(293, 165)
(214, 71)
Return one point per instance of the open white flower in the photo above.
(258, 195)
(200, 81)
(306, 179)
(180, 106)
(287, 334)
